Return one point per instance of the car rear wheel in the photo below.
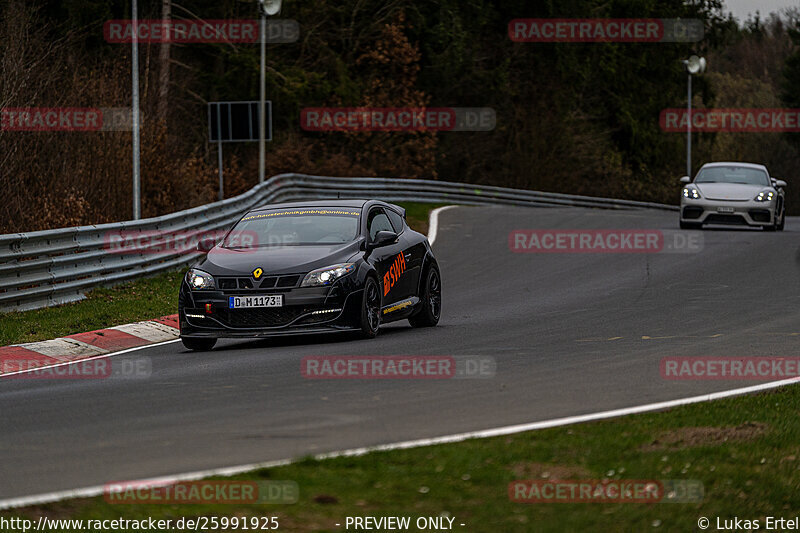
(198, 345)
(431, 297)
(370, 309)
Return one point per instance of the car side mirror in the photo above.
(383, 238)
(780, 183)
(686, 179)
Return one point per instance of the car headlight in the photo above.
(198, 280)
(689, 192)
(765, 196)
(327, 275)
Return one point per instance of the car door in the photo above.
(413, 250)
(388, 260)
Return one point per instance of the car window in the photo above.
(396, 219)
(378, 221)
(732, 174)
(298, 226)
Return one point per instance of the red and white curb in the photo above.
(80, 346)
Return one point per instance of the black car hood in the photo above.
(276, 259)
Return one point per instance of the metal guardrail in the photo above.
(52, 267)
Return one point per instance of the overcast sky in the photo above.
(740, 8)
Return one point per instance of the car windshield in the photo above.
(301, 226)
(733, 174)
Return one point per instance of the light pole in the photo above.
(267, 8)
(137, 206)
(694, 65)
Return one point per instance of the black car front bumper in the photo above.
(207, 313)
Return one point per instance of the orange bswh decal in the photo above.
(393, 274)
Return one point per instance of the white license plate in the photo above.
(244, 302)
(724, 210)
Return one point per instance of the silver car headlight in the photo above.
(765, 196)
(327, 275)
(690, 192)
(199, 280)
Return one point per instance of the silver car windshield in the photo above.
(733, 174)
(301, 226)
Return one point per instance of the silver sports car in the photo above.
(733, 193)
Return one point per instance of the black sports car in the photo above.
(311, 267)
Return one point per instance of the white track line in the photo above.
(433, 222)
(90, 492)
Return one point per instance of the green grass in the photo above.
(417, 215)
(752, 474)
(143, 299)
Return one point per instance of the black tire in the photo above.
(370, 309)
(782, 223)
(198, 344)
(690, 225)
(431, 309)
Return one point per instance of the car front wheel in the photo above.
(370, 309)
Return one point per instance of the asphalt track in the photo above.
(571, 334)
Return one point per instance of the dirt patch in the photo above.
(705, 436)
(529, 470)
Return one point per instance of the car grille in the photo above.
(270, 282)
(280, 282)
(725, 219)
(259, 318)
